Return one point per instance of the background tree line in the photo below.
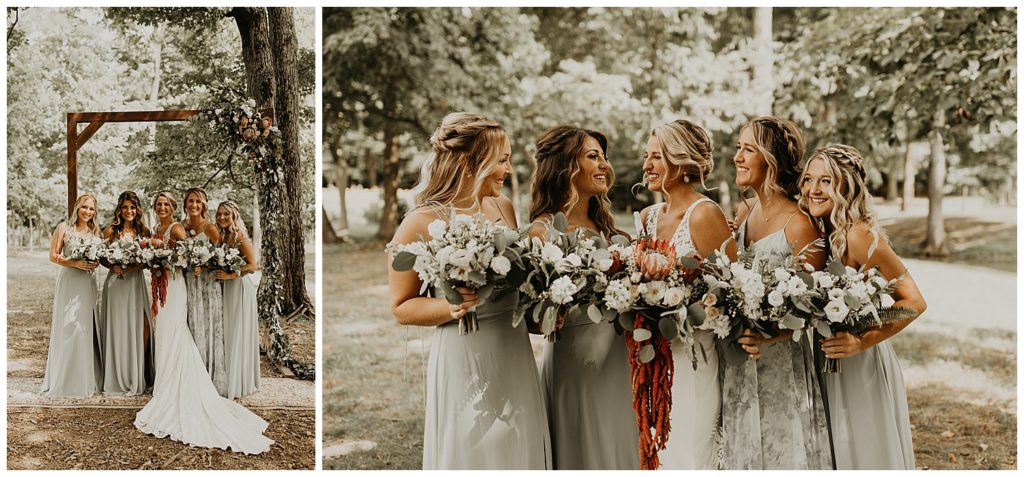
(927, 94)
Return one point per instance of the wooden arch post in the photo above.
(96, 120)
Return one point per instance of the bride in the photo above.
(678, 156)
(185, 406)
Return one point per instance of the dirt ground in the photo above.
(105, 438)
(961, 382)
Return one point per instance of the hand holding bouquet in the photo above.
(464, 252)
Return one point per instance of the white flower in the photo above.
(437, 228)
(444, 255)
(562, 290)
(796, 286)
(417, 248)
(460, 258)
(635, 277)
(887, 301)
(713, 312)
(719, 325)
(709, 299)
(551, 252)
(568, 264)
(775, 298)
(674, 296)
(836, 311)
(618, 296)
(880, 281)
(836, 294)
(501, 265)
(604, 264)
(460, 274)
(654, 292)
(824, 279)
(781, 274)
(859, 291)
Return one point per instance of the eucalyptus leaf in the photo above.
(689, 262)
(594, 313)
(500, 242)
(695, 314)
(620, 239)
(547, 326)
(403, 261)
(641, 334)
(668, 328)
(823, 328)
(626, 321)
(791, 322)
(836, 267)
(646, 354)
(561, 222)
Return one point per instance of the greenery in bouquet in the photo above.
(227, 258)
(565, 275)
(83, 247)
(463, 252)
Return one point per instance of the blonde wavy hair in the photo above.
(849, 194)
(687, 147)
(782, 146)
(236, 231)
(91, 225)
(465, 145)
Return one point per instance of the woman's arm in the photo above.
(907, 295)
(407, 306)
(713, 229)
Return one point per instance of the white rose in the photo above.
(824, 279)
(709, 300)
(674, 296)
(836, 310)
(501, 265)
(654, 292)
(796, 286)
(781, 274)
(445, 254)
(551, 252)
(775, 298)
(713, 312)
(836, 294)
(605, 264)
(460, 258)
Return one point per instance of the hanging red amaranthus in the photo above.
(652, 395)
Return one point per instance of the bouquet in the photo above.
(124, 252)
(83, 247)
(845, 299)
(564, 277)
(227, 258)
(162, 261)
(195, 252)
(652, 293)
(470, 252)
(750, 293)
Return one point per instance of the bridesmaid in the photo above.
(127, 351)
(241, 330)
(585, 374)
(867, 401)
(679, 157)
(773, 416)
(205, 312)
(73, 366)
(485, 407)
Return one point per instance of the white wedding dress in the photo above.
(185, 406)
(693, 441)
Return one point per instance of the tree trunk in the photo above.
(286, 108)
(154, 86)
(935, 244)
(371, 170)
(328, 235)
(892, 183)
(341, 179)
(764, 80)
(389, 214)
(254, 29)
(909, 174)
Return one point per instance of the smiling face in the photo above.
(128, 211)
(751, 166)
(594, 175)
(654, 165)
(223, 217)
(817, 188)
(194, 205)
(86, 211)
(163, 207)
(493, 183)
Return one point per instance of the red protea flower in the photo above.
(655, 258)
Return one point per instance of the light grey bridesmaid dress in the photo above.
(870, 418)
(206, 322)
(589, 401)
(73, 364)
(128, 367)
(485, 407)
(773, 416)
(241, 333)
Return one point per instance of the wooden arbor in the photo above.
(96, 120)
